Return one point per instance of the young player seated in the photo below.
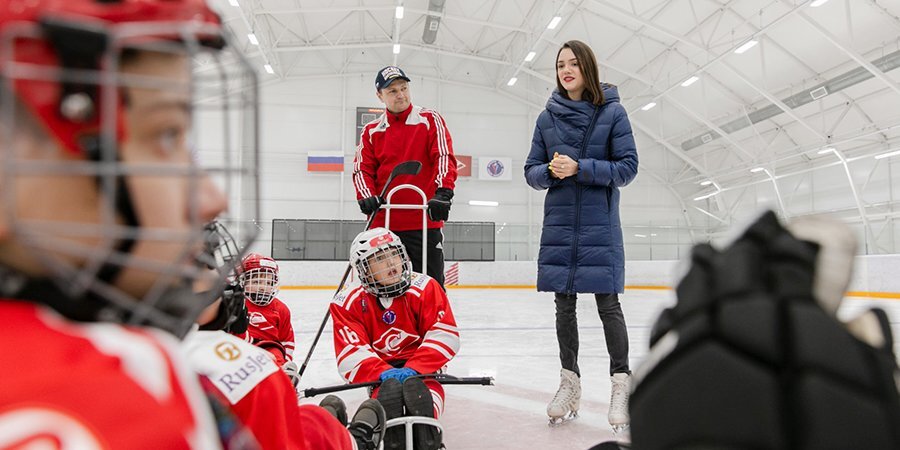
(270, 319)
(396, 325)
(246, 378)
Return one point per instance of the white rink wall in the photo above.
(874, 273)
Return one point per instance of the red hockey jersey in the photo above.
(271, 323)
(260, 394)
(415, 134)
(418, 327)
(96, 386)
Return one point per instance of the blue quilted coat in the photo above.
(581, 240)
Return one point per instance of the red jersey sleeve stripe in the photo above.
(440, 349)
(358, 180)
(443, 150)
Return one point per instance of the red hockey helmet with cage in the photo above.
(51, 35)
(64, 68)
(259, 278)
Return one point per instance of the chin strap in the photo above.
(18, 286)
(175, 312)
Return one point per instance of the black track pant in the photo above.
(412, 240)
(613, 327)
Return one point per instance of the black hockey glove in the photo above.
(370, 204)
(439, 205)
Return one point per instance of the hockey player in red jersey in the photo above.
(270, 319)
(101, 219)
(247, 379)
(395, 325)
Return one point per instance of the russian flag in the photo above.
(325, 162)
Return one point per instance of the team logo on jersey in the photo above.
(228, 351)
(389, 317)
(259, 321)
(394, 340)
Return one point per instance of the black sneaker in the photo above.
(390, 395)
(418, 401)
(367, 427)
(336, 407)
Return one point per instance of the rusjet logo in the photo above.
(253, 363)
(228, 351)
(394, 340)
(495, 168)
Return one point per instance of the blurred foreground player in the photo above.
(103, 206)
(247, 379)
(395, 325)
(752, 356)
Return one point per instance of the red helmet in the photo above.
(49, 36)
(259, 278)
(61, 64)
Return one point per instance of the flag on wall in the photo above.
(451, 277)
(491, 168)
(463, 165)
(325, 162)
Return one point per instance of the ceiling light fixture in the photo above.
(690, 81)
(554, 22)
(704, 197)
(746, 46)
(888, 154)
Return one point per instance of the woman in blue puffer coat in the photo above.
(583, 151)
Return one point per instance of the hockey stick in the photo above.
(440, 378)
(404, 168)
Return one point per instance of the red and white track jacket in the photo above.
(418, 327)
(415, 134)
(272, 323)
(96, 386)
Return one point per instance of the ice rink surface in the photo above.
(509, 334)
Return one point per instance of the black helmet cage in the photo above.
(223, 100)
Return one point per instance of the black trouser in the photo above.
(412, 240)
(613, 327)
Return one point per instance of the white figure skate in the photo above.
(564, 406)
(618, 402)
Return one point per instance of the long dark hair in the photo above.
(587, 62)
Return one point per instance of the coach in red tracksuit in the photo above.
(407, 132)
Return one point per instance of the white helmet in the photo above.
(382, 264)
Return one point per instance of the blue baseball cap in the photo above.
(387, 76)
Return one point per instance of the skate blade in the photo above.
(619, 430)
(557, 421)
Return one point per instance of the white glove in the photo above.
(290, 368)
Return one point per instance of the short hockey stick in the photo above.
(440, 378)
